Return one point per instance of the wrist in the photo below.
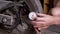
(53, 20)
(57, 20)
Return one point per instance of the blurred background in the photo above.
(48, 4)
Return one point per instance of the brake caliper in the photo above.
(6, 19)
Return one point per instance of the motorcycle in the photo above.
(14, 15)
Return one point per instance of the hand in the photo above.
(43, 22)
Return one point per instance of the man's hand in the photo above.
(43, 22)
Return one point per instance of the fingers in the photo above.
(33, 23)
(40, 22)
(37, 23)
(37, 32)
(42, 28)
(39, 14)
(40, 19)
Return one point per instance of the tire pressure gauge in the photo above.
(32, 15)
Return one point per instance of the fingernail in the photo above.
(39, 28)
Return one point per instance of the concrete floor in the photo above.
(50, 30)
(43, 32)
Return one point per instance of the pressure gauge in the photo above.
(32, 15)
